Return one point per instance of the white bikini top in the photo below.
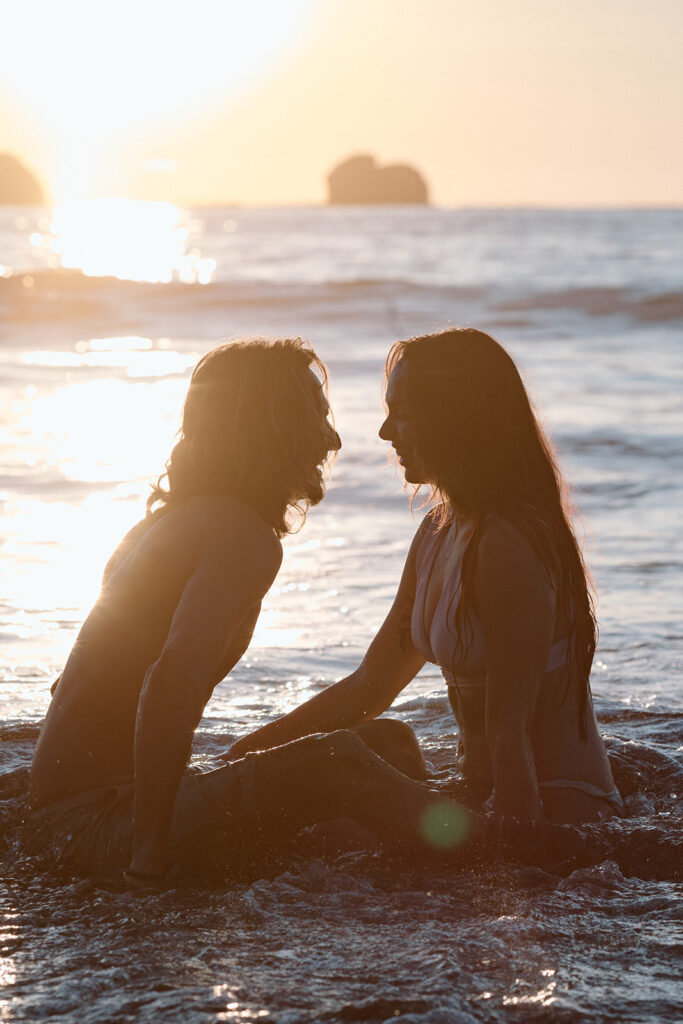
(461, 660)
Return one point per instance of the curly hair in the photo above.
(255, 427)
(486, 452)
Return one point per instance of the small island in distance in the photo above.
(360, 180)
(18, 187)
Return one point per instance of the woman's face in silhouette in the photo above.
(399, 427)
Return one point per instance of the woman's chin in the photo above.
(411, 475)
(418, 479)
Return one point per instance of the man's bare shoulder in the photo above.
(221, 527)
(211, 530)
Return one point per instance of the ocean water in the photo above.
(105, 308)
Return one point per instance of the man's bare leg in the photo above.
(396, 743)
(335, 775)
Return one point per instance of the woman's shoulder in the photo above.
(506, 548)
(441, 523)
(498, 528)
(435, 520)
(428, 530)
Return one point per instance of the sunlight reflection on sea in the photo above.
(132, 239)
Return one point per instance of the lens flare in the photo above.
(444, 825)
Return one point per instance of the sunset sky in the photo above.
(495, 101)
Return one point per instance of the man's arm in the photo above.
(390, 663)
(516, 602)
(230, 579)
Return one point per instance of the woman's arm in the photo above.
(230, 579)
(516, 602)
(390, 663)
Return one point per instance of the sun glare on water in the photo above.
(132, 239)
(86, 450)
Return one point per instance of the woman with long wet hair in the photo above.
(495, 589)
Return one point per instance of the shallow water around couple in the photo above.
(94, 371)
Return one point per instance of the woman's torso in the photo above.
(563, 751)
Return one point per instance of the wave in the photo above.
(75, 282)
(69, 294)
(50, 484)
(664, 307)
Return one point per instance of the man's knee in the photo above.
(309, 779)
(312, 756)
(396, 743)
(345, 746)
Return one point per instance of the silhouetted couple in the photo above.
(494, 590)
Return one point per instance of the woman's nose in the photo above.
(384, 430)
(336, 442)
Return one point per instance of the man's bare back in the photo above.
(87, 739)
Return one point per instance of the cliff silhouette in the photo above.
(17, 185)
(361, 180)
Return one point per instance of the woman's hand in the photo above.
(390, 663)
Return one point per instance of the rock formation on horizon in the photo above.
(361, 180)
(18, 187)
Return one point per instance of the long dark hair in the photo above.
(486, 452)
(252, 428)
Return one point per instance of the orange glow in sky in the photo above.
(498, 102)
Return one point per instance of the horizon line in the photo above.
(669, 205)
